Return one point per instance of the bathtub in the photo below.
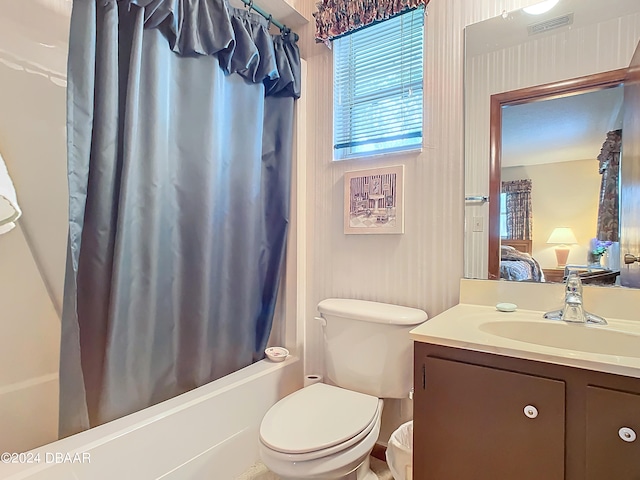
(208, 433)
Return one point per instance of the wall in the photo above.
(421, 268)
(33, 51)
(596, 48)
(32, 256)
(563, 194)
(29, 346)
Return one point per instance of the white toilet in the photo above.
(327, 431)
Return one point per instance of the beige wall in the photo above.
(29, 346)
(33, 144)
(32, 256)
(563, 194)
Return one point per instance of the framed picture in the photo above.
(374, 200)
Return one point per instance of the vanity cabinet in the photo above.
(613, 422)
(480, 416)
(490, 422)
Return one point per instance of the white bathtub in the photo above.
(208, 433)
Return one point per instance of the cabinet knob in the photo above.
(531, 411)
(627, 434)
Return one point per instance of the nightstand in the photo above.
(553, 275)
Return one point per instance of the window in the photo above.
(503, 215)
(377, 87)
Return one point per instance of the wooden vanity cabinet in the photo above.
(612, 419)
(479, 416)
(478, 425)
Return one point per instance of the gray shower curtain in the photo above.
(180, 119)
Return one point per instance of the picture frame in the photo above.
(374, 201)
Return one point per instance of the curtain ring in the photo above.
(250, 5)
(269, 19)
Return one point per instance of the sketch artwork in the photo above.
(373, 201)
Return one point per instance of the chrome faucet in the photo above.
(573, 310)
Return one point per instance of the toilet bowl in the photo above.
(326, 432)
(321, 432)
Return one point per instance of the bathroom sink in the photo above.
(583, 338)
(612, 348)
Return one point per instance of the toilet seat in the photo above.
(318, 421)
(328, 466)
(325, 452)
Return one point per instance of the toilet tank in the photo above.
(367, 346)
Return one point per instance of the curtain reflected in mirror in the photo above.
(518, 209)
(608, 206)
(516, 232)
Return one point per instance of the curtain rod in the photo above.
(283, 28)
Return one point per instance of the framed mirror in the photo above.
(542, 92)
(545, 162)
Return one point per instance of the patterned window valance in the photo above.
(335, 18)
(517, 186)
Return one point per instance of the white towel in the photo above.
(9, 209)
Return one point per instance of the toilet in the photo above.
(327, 430)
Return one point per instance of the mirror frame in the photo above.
(547, 91)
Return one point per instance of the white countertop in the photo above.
(468, 326)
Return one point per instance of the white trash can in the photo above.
(400, 452)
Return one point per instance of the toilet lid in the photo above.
(316, 417)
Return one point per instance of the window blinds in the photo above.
(377, 92)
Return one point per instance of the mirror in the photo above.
(541, 94)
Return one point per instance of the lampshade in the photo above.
(562, 235)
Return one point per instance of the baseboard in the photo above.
(379, 451)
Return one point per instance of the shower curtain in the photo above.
(180, 119)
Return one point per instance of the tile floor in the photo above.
(260, 472)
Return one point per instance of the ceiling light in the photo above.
(540, 8)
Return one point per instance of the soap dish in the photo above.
(506, 307)
(276, 354)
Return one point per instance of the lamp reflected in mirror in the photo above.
(563, 237)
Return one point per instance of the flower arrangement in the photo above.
(599, 247)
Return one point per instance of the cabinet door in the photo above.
(476, 423)
(613, 420)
